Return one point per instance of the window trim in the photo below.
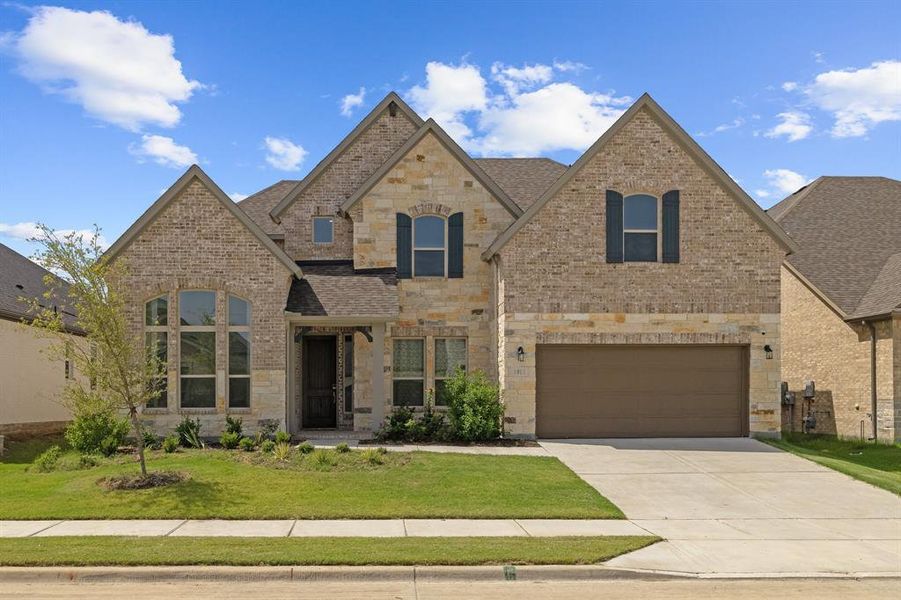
(238, 329)
(414, 247)
(159, 329)
(313, 229)
(198, 329)
(435, 377)
(658, 231)
(425, 369)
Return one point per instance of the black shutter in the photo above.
(614, 227)
(671, 226)
(455, 245)
(404, 246)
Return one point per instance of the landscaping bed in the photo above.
(306, 484)
(876, 464)
(98, 551)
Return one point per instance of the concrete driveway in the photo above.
(738, 506)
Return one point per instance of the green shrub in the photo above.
(268, 427)
(305, 447)
(282, 451)
(267, 446)
(230, 440)
(342, 448)
(382, 450)
(248, 444)
(402, 425)
(395, 427)
(373, 456)
(474, 406)
(234, 425)
(170, 444)
(76, 462)
(282, 437)
(47, 460)
(188, 432)
(150, 440)
(324, 458)
(90, 433)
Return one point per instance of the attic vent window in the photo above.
(392, 109)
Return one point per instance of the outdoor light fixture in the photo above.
(768, 351)
(520, 354)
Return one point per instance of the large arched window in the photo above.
(640, 228)
(429, 246)
(197, 348)
(156, 338)
(238, 353)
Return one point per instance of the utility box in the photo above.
(788, 398)
(810, 390)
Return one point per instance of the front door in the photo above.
(319, 379)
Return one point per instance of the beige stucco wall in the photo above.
(430, 180)
(196, 243)
(31, 381)
(818, 345)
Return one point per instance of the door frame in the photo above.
(303, 378)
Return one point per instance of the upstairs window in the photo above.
(323, 230)
(640, 228)
(429, 246)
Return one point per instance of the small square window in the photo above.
(323, 230)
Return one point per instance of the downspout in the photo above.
(872, 375)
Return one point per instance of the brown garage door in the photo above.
(641, 391)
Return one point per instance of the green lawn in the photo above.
(80, 551)
(878, 464)
(237, 485)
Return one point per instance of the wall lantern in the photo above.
(768, 351)
(520, 354)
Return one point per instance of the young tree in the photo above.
(119, 374)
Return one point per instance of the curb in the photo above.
(531, 573)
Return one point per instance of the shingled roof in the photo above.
(524, 179)
(22, 278)
(334, 288)
(849, 233)
(258, 205)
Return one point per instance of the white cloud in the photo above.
(118, 71)
(283, 154)
(735, 124)
(164, 151)
(29, 230)
(352, 101)
(526, 112)
(762, 193)
(785, 181)
(794, 125)
(859, 99)
(570, 66)
(790, 86)
(237, 196)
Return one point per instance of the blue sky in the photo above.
(104, 104)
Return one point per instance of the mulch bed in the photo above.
(142, 482)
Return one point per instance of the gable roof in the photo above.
(391, 98)
(431, 126)
(524, 179)
(23, 278)
(258, 205)
(333, 288)
(849, 234)
(195, 172)
(688, 144)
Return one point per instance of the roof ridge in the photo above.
(267, 188)
(793, 199)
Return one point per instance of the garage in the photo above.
(641, 391)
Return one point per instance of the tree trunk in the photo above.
(139, 436)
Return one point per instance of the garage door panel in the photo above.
(635, 391)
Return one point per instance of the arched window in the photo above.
(238, 353)
(156, 338)
(640, 228)
(197, 348)
(429, 246)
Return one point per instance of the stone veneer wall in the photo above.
(430, 180)
(196, 243)
(558, 287)
(819, 345)
(339, 180)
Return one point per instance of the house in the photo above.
(31, 380)
(841, 305)
(631, 294)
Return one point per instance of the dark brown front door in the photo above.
(319, 379)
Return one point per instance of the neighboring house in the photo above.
(631, 294)
(31, 381)
(841, 304)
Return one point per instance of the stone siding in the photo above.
(195, 243)
(339, 180)
(818, 345)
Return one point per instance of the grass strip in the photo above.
(356, 551)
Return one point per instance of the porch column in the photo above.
(378, 374)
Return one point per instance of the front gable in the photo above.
(554, 258)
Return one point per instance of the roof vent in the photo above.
(392, 109)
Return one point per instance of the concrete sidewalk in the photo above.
(324, 528)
